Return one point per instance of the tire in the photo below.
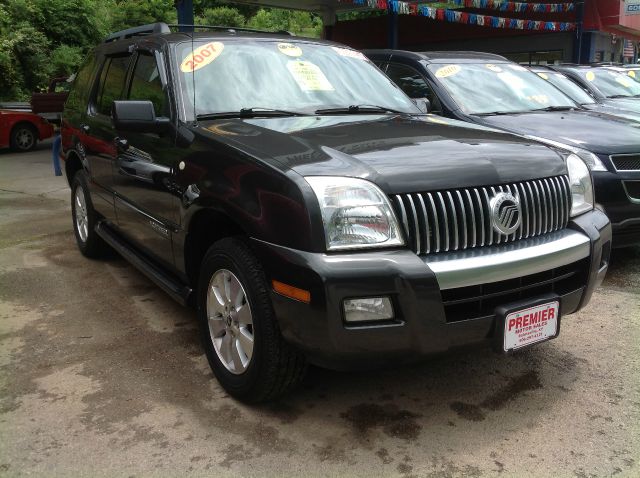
(85, 218)
(255, 370)
(24, 137)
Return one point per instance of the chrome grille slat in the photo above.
(460, 219)
(417, 224)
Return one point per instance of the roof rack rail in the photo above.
(148, 29)
(230, 29)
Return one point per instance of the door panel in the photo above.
(97, 133)
(146, 202)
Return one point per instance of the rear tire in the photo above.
(24, 137)
(85, 219)
(238, 327)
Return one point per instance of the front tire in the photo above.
(239, 330)
(85, 218)
(24, 137)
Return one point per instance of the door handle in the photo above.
(85, 128)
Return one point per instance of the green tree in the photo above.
(298, 22)
(225, 16)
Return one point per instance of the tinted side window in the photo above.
(111, 84)
(412, 83)
(146, 84)
(81, 85)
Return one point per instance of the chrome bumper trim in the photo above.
(508, 261)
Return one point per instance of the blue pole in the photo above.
(392, 30)
(55, 153)
(185, 14)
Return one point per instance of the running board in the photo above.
(171, 285)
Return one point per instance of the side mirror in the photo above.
(137, 116)
(423, 104)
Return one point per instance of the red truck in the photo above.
(21, 130)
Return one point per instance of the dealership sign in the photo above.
(632, 8)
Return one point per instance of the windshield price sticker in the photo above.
(544, 76)
(349, 53)
(290, 49)
(447, 71)
(309, 76)
(495, 68)
(201, 56)
(542, 99)
(590, 76)
(528, 326)
(632, 73)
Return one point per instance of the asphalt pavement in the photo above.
(102, 374)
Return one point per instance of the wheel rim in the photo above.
(82, 218)
(230, 321)
(24, 138)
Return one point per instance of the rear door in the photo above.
(97, 133)
(146, 198)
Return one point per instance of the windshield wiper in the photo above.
(556, 108)
(355, 109)
(248, 113)
(498, 113)
(620, 96)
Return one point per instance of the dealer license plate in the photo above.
(532, 325)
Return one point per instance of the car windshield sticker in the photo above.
(434, 119)
(590, 76)
(512, 80)
(290, 49)
(544, 76)
(349, 53)
(495, 68)
(624, 81)
(309, 76)
(201, 56)
(448, 70)
(632, 74)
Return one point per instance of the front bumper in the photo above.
(439, 303)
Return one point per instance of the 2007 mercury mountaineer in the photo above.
(313, 213)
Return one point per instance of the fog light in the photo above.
(368, 310)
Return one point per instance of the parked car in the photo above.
(606, 85)
(579, 95)
(489, 90)
(312, 213)
(21, 130)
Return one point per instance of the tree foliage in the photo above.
(41, 39)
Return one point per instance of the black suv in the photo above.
(489, 90)
(311, 212)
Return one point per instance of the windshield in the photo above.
(568, 87)
(611, 83)
(485, 88)
(296, 77)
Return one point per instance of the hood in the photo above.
(614, 111)
(400, 154)
(595, 132)
(629, 104)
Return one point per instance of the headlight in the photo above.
(591, 160)
(581, 186)
(355, 213)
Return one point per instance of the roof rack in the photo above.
(230, 29)
(161, 27)
(148, 29)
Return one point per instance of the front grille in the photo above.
(460, 219)
(478, 301)
(626, 162)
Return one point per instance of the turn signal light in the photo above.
(291, 292)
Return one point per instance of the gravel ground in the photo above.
(101, 374)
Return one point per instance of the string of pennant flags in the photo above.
(454, 16)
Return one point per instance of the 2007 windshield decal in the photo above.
(201, 56)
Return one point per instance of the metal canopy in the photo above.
(309, 5)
